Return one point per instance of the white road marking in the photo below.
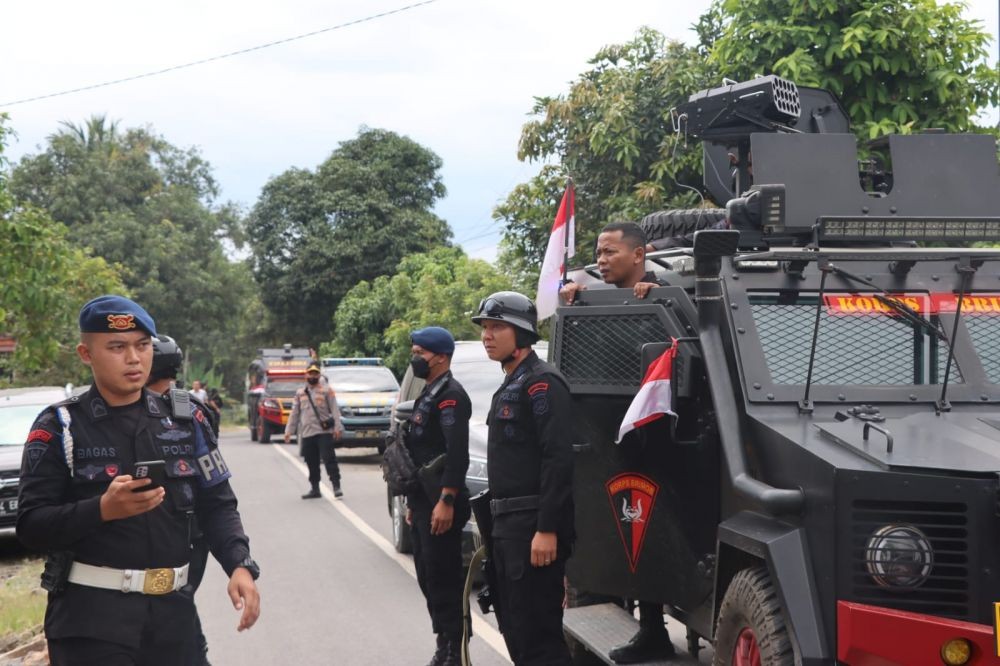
(480, 627)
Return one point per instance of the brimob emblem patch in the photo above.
(632, 498)
(121, 322)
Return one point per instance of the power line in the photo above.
(220, 57)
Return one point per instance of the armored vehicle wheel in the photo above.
(671, 223)
(263, 431)
(751, 630)
(400, 530)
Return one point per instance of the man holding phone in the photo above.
(119, 545)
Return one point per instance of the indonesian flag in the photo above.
(561, 246)
(653, 399)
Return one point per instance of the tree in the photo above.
(439, 288)
(149, 207)
(612, 133)
(314, 235)
(44, 281)
(896, 65)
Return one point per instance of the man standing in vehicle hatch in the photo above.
(530, 470)
(119, 545)
(439, 426)
(621, 260)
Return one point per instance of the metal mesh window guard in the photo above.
(605, 350)
(852, 349)
(984, 329)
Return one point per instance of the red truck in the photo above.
(272, 379)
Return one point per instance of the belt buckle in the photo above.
(158, 581)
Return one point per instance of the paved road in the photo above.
(333, 590)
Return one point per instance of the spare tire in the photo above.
(675, 223)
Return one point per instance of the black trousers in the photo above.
(199, 560)
(438, 561)
(320, 447)
(531, 604)
(155, 650)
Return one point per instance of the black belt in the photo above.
(512, 504)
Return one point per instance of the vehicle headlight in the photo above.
(346, 411)
(272, 404)
(477, 468)
(899, 556)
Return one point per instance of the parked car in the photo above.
(18, 409)
(480, 377)
(366, 392)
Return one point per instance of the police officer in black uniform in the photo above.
(530, 470)
(439, 426)
(167, 362)
(118, 539)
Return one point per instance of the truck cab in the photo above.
(272, 379)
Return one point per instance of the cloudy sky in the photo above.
(457, 76)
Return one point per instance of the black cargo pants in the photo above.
(531, 604)
(320, 448)
(438, 561)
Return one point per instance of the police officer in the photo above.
(530, 470)
(315, 413)
(119, 544)
(439, 426)
(167, 362)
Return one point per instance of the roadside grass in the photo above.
(22, 600)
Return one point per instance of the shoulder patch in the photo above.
(33, 453)
(538, 387)
(39, 435)
(445, 404)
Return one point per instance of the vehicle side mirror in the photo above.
(402, 411)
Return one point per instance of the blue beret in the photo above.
(108, 314)
(434, 339)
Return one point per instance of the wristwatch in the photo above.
(448, 499)
(250, 566)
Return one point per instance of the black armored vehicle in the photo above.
(828, 491)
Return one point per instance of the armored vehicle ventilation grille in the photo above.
(929, 575)
(604, 351)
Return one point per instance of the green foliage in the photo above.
(613, 134)
(314, 235)
(896, 65)
(148, 207)
(44, 280)
(439, 288)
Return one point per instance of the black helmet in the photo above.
(512, 308)
(167, 356)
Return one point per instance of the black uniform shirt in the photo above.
(530, 451)
(60, 510)
(440, 424)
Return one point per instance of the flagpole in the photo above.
(570, 201)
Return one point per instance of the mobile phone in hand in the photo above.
(150, 469)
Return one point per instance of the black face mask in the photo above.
(312, 380)
(421, 367)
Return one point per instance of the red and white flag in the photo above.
(562, 242)
(653, 399)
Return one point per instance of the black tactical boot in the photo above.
(648, 644)
(337, 492)
(453, 652)
(441, 653)
(313, 492)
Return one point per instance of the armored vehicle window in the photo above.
(860, 342)
(284, 388)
